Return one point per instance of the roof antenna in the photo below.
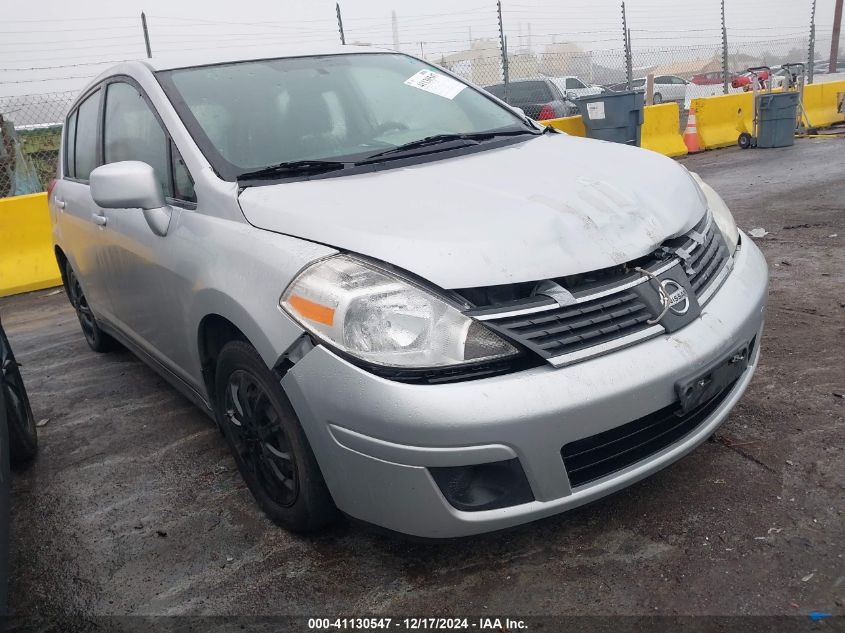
(146, 34)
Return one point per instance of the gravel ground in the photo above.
(134, 505)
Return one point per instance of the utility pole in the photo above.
(394, 23)
(834, 40)
(629, 62)
(340, 23)
(504, 44)
(811, 52)
(725, 70)
(146, 35)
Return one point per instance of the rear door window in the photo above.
(85, 159)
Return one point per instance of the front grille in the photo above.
(569, 329)
(619, 316)
(602, 454)
(706, 260)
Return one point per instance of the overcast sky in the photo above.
(53, 45)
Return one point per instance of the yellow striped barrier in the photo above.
(723, 118)
(821, 103)
(27, 260)
(661, 130)
(572, 125)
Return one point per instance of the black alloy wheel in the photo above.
(97, 340)
(23, 437)
(256, 432)
(268, 443)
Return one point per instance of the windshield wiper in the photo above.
(294, 168)
(474, 138)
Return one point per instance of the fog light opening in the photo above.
(483, 486)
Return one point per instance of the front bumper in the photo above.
(375, 439)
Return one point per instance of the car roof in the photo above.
(513, 82)
(222, 55)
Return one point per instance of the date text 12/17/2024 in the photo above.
(417, 624)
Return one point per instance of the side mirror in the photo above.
(129, 184)
(570, 94)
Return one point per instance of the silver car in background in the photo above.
(398, 297)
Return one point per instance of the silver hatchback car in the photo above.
(398, 297)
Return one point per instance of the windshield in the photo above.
(251, 115)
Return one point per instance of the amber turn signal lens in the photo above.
(311, 310)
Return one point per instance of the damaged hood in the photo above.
(551, 206)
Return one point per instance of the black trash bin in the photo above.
(613, 116)
(778, 113)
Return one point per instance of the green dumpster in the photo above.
(777, 118)
(613, 116)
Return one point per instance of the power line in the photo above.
(76, 30)
(110, 61)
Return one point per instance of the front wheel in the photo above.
(268, 443)
(657, 99)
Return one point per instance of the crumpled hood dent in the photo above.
(552, 206)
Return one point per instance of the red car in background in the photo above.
(710, 79)
(746, 79)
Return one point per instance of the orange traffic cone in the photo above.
(691, 133)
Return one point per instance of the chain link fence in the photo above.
(31, 134)
(598, 58)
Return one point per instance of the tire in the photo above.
(268, 443)
(23, 436)
(97, 340)
(5, 497)
(744, 140)
(657, 99)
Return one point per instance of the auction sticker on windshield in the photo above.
(435, 83)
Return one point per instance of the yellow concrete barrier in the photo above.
(572, 125)
(661, 130)
(721, 119)
(27, 260)
(821, 102)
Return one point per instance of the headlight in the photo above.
(722, 216)
(381, 318)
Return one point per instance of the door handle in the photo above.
(60, 203)
(99, 220)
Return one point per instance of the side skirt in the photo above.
(175, 381)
